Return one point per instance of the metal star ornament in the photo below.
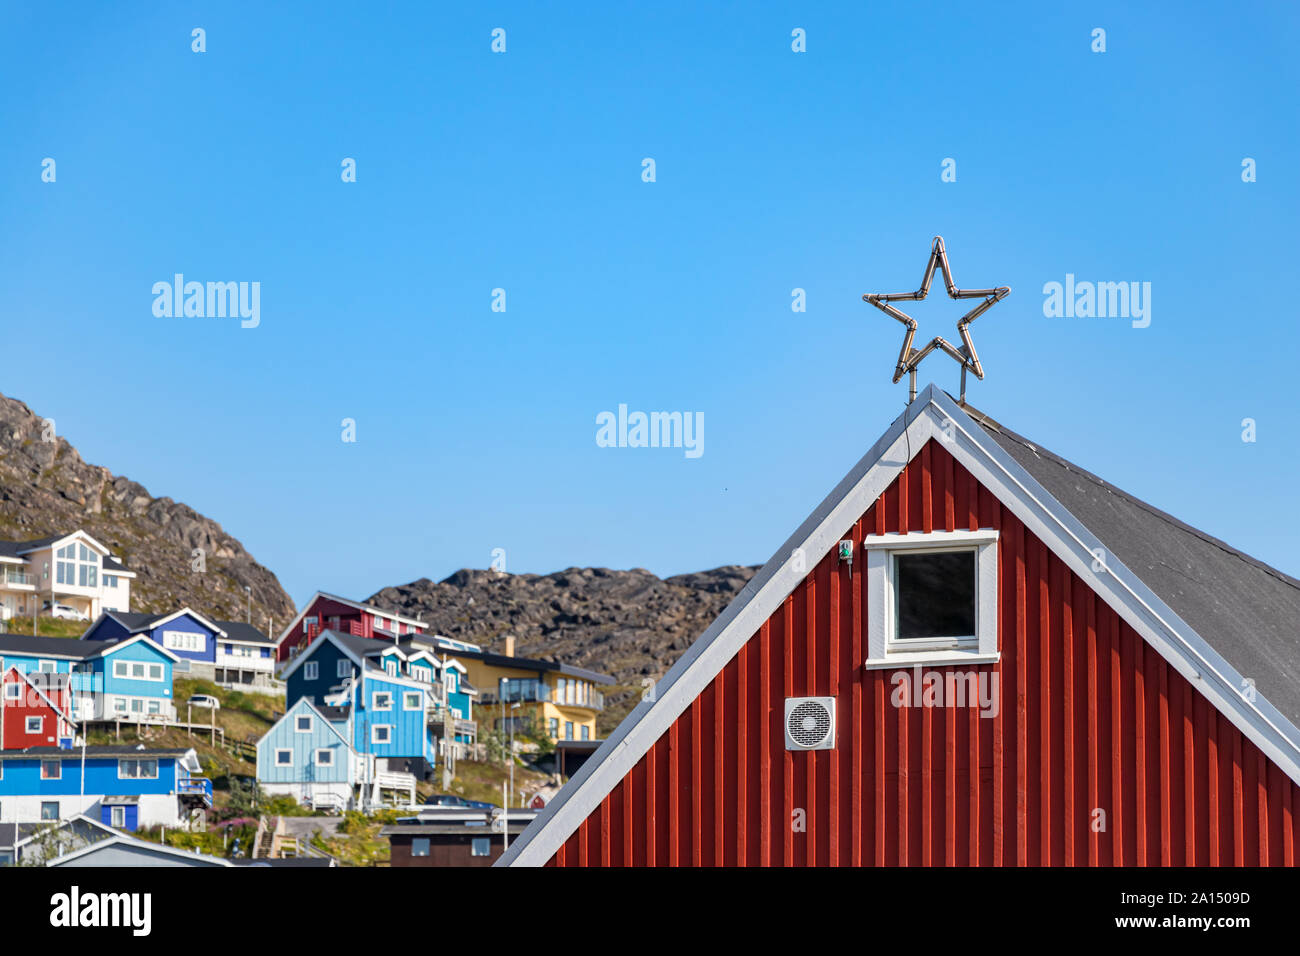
(909, 358)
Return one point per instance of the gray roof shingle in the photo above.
(1246, 610)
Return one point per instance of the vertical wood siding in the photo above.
(1089, 718)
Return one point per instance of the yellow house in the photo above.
(559, 700)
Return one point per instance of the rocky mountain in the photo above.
(628, 624)
(45, 488)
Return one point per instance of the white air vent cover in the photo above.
(810, 723)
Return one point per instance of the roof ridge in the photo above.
(985, 421)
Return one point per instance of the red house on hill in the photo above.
(971, 653)
(331, 612)
(35, 710)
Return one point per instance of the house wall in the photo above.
(13, 722)
(144, 651)
(304, 746)
(186, 624)
(445, 850)
(1089, 717)
(22, 791)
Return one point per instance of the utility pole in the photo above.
(249, 591)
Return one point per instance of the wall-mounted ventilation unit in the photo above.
(809, 723)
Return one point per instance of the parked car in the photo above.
(447, 800)
(65, 611)
(205, 700)
(479, 805)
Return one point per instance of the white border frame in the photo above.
(882, 652)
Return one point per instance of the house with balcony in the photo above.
(229, 653)
(128, 680)
(120, 786)
(68, 575)
(343, 616)
(394, 698)
(35, 710)
(546, 697)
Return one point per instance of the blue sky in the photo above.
(775, 170)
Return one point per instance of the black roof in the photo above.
(334, 714)
(134, 621)
(103, 750)
(1247, 611)
(51, 646)
(239, 631)
(10, 549)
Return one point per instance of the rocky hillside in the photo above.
(45, 488)
(628, 624)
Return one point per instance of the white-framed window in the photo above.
(34, 724)
(302, 724)
(117, 817)
(153, 706)
(138, 769)
(381, 734)
(311, 670)
(119, 705)
(411, 700)
(14, 691)
(185, 641)
(932, 598)
(284, 757)
(51, 769)
(47, 667)
(324, 757)
(382, 700)
(391, 666)
(110, 581)
(76, 565)
(344, 668)
(422, 674)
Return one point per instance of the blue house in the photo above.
(307, 755)
(230, 653)
(121, 786)
(128, 680)
(394, 697)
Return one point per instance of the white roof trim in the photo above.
(933, 415)
(185, 610)
(123, 840)
(304, 702)
(79, 535)
(128, 641)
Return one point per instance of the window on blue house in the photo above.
(324, 757)
(310, 670)
(382, 701)
(284, 758)
(136, 769)
(381, 734)
(302, 724)
(344, 668)
(51, 770)
(47, 667)
(49, 809)
(411, 700)
(117, 817)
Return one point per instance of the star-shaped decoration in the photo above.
(909, 358)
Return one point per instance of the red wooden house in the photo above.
(331, 612)
(36, 709)
(973, 652)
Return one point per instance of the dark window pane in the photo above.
(936, 595)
